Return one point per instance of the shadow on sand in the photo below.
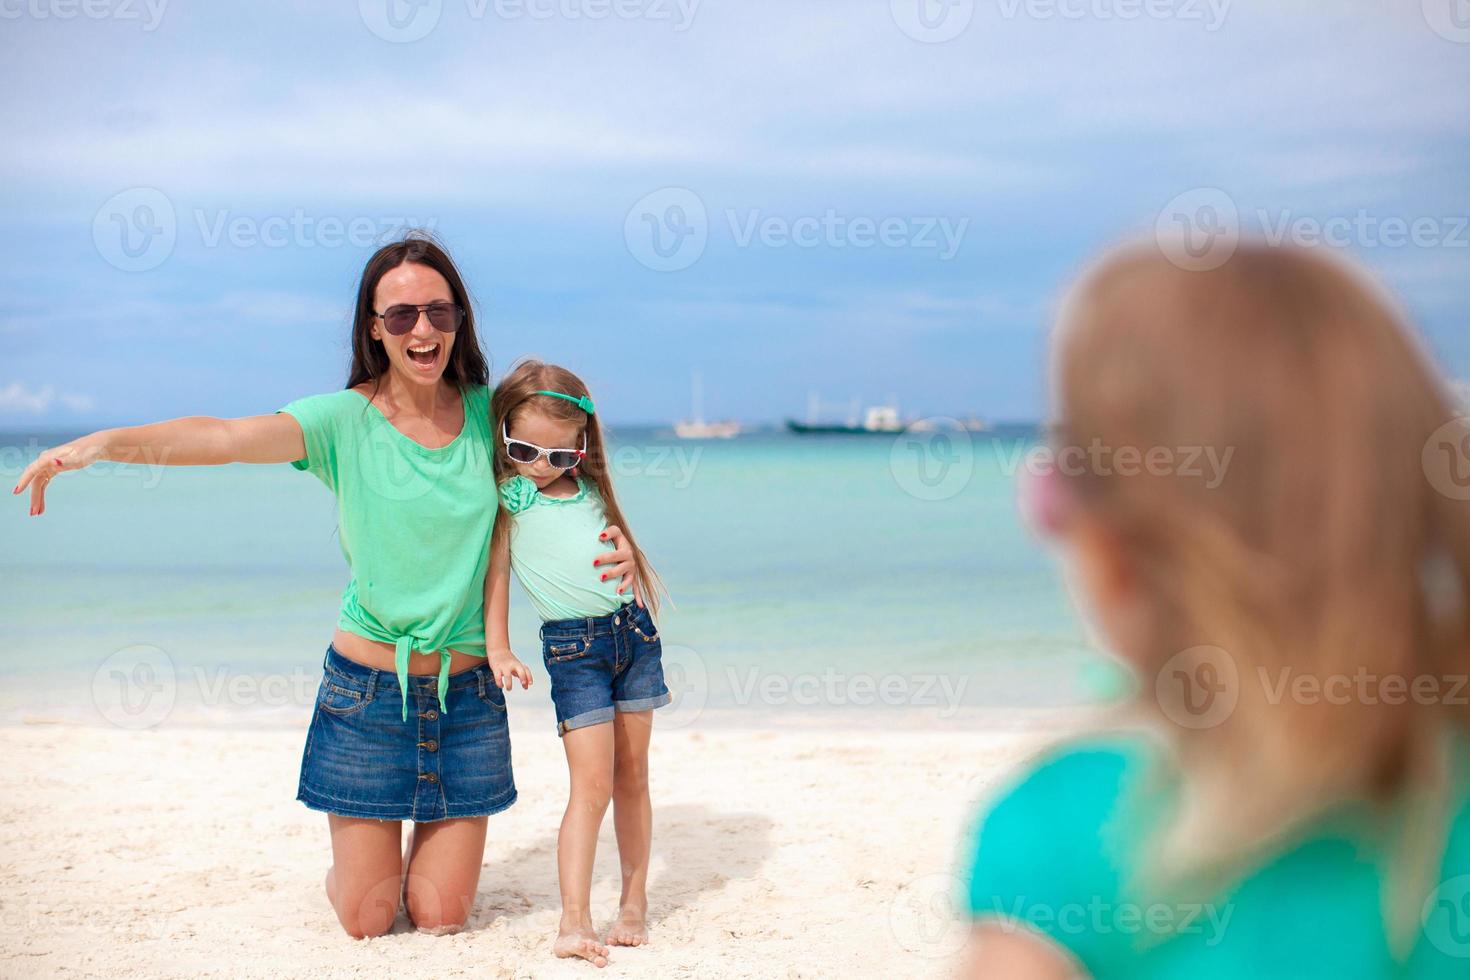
(696, 850)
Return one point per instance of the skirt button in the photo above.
(431, 715)
(431, 745)
(431, 777)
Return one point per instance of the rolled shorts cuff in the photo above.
(594, 717)
(644, 704)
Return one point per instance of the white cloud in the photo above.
(770, 92)
(21, 399)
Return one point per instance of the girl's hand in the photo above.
(619, 563)
(74, 455)
(507, 669)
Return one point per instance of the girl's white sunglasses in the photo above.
(528, 452)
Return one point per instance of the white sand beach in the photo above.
(789, 852)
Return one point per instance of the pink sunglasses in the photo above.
(1044, 501)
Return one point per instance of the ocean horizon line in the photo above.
(1004, 428)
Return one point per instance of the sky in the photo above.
(868, 199)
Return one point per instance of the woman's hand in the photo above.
(74, 455)
(192, 441)
(619, 563)
(507, 668)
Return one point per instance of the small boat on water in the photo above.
(878, 420)
(697, 427)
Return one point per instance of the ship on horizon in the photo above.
(697, 427)
(878, 420)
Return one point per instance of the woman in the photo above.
(409, 724)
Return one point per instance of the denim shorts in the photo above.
(363, 760)
(603, 664)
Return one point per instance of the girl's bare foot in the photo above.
(580, 941)
(631, 929)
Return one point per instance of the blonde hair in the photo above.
(517, 393)
(1323, 550)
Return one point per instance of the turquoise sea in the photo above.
(886, 574)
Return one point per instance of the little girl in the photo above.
(601, 647)
(1292, 798)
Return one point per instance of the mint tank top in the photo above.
(1061, 851)
(414, 524)
(553, 541)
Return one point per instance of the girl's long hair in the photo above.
(516, 393)
(1326, 549)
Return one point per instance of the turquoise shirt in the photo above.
(553, 541)
(414, 524)
(1061, 849)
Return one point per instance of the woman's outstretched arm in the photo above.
(194, 441)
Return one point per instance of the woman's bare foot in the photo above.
(631, 929)
(580, 941)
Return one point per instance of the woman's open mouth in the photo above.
(424, 356)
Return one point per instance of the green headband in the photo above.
(581, 401)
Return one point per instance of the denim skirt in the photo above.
(363, 760)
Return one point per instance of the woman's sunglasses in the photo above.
(528, 452)
(399, 320)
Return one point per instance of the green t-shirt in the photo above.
(414, 524)
(1062, 849)
(553, 541)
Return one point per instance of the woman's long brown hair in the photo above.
(516, 393)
